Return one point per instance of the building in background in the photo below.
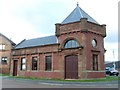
(111, 65)
(76, 51)
(5, 54)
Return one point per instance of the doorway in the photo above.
(15, 65)
(71, 67)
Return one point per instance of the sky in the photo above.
(26, 19)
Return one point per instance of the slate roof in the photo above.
(37, 42)
(76, 15)
(8, 39)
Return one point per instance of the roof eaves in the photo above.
(36, 46)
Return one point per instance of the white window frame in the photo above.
(2, 46)
(23, 63)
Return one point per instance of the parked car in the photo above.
(107, 71)
(111, 71)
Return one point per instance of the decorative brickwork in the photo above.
(83, 32)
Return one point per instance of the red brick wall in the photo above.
(84, 32)
(5, 69)
(95, 75)
(97, 50)
(39, 74)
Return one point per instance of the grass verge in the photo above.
(4, 74)
(108, 78)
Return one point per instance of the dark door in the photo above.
(71, 67)
(15, 65)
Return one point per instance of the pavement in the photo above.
(8, 82)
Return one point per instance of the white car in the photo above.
(113, 72)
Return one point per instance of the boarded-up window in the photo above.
(48, 63)
(95, 62)
(34, 63)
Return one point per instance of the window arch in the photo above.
(71, 44)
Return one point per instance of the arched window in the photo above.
(94, 42)
(71, 44)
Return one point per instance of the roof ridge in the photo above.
(20, 42)
(39, 37)
(79, 10)
(88, 15)
(68, 16)
(37, 42)
(76, 15)
(8, 39)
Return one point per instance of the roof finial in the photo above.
(77, 3)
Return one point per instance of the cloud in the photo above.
(109, 53)
(25, 19)
(112, 37)
(19, 29)
(16, 22)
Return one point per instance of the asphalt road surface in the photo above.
(24, 83)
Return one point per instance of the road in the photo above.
(24, 83)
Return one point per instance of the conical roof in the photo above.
(76, 15)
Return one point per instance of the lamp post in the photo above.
(114, 61)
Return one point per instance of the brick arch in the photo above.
(69, 38)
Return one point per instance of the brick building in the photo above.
(5, 54)
(76, 51)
